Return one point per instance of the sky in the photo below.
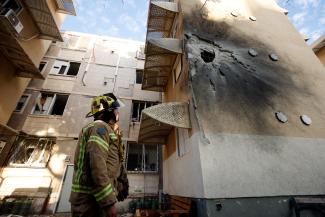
(128, 18)
(308, 16)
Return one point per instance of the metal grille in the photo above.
(157, 121)
(44, 19)
(161, 18)
(160, 58)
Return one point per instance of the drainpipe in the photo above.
(116, 70)
(88, 63)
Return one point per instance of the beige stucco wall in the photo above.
(243, 144)
(321, 55)
(11, 88)
(233, 155)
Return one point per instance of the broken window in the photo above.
(137, 107)
(73, 69)
(13, 5)
(41, 66)
(50, 104)
(65, 68)
(142, 158)
(22, 103)
(32, 152)
(138, 79)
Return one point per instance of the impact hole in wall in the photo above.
(207, 56)
(218, 206)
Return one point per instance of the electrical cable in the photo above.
(203, 5)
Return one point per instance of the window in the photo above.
(73, 69)
(50, 104)
(11, 4)
(32, 152)
(175, 30)
(65, 68)
(178, 70)
(139, 74)
(182, 141)
(137, 108)
(62, 70)
(22, 103)
(42, 66)
(142, 158)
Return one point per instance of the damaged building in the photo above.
(27, 28)
(51, 113)
(242, 120)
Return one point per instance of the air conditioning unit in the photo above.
(13, 20)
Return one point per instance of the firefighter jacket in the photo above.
(96, 165)
(123, 182)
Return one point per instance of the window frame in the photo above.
(45, 66)
(143, 169)
(136, 75)
(25, 104)
(178, 64)
(68, 65)
(51, 104)
(138, 112)
(50, 143)
(185, 149)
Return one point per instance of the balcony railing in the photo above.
(157, 121)
(43, 19)
(161, 51)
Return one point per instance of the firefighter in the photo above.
(99, 178)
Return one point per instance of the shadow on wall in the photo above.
(235, 77)
(25, 201)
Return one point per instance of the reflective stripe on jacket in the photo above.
(96, 165)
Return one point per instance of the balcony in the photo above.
(161, 51)
(160, 59)
(161, 18)
(66, 7)
(12, 50)
(43, 19)
(157, 121)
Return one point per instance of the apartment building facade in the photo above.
(27, 29)
(52, 113)
(243, 100)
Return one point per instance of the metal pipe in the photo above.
(116, 70)
(89, 60)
